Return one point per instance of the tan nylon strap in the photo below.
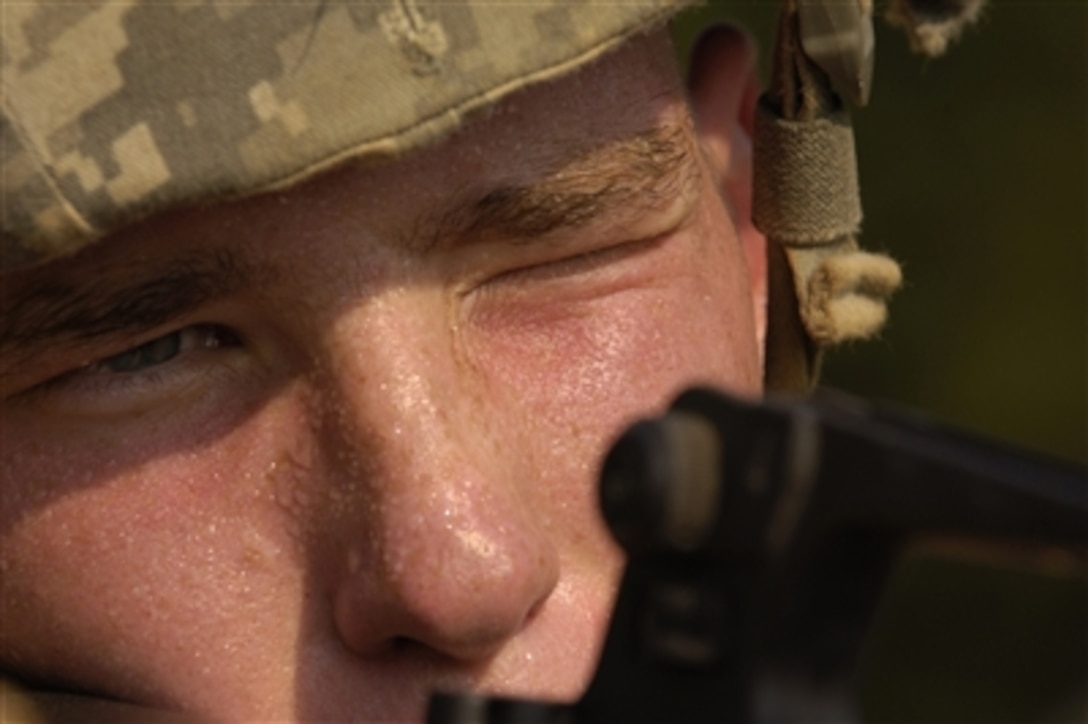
(822, 288)
(791, 359)
(806, 190)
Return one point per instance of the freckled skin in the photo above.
(390, 485)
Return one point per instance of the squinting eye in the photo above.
(146, 355)
(163, 349)
(157, 372)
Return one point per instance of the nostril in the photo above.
(541, 592)
(463, 613)
(454, 564)
(400, 645)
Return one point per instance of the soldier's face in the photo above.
(315, 454)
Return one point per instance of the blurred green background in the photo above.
(973, 171)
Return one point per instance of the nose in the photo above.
(442, 549)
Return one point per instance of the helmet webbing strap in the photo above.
(822, 288)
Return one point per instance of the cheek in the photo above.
(687, 321)
(582, 370)
(159, 563)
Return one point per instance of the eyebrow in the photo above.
(149, 297)
(633, 174)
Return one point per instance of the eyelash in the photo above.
(578, 264)
(100, 384)
(186, 340)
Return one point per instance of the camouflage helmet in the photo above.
(116, 110)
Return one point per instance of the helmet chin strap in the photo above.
(822, 288)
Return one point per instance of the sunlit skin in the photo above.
(365, 468)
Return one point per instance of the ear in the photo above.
(724, 89)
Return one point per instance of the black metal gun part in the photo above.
(759, 537)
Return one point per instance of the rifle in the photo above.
(759, 539)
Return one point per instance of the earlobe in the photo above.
(724, 88)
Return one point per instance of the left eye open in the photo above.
(156, 372)
(163, 349)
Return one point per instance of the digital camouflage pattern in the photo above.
(116, 109)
